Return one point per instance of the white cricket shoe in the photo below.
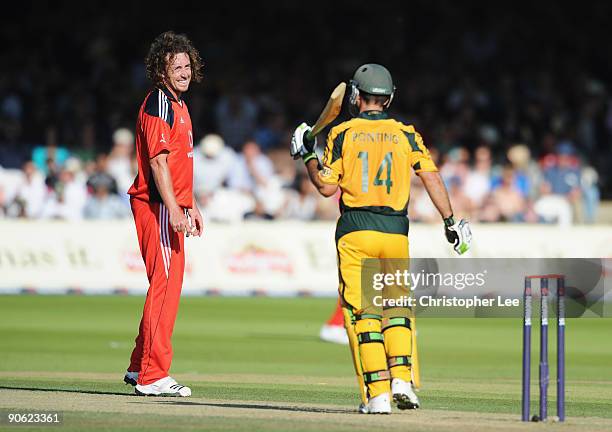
(131, 378)
(163, 387)
(334, 334)
(380, 404)
(403, 394)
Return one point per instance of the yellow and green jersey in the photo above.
(370, 157)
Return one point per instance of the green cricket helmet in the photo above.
(373, 79)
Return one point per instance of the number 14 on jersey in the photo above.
(378, 181)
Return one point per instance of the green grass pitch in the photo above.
(257, 364)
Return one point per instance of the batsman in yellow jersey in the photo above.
(370, 158)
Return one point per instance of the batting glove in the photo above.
(301, 146)
(458, 234)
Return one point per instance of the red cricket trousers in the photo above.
(164, 257)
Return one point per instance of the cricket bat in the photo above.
(330, 112)
(416, 370)
(354, 344)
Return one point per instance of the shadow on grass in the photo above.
(65, 390)
(173, 400)
(259, 407)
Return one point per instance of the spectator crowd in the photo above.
(231, 186)
(519, 123)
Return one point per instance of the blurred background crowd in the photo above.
(514, 105)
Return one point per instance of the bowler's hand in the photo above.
(178, 220)
(197, 222)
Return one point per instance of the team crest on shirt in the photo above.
(326, 172)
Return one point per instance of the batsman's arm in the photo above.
(302, 147)
(437, 192)
(327, 190)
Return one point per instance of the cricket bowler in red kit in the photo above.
(163, 207)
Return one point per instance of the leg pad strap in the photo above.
(368, 337)
(371, 377)
(388, 323)
(368, 316)
(399, 361)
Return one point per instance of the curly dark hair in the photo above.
(162, 51)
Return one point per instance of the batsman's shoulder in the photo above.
(408, 128)
(412, 135)
(340, 128)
